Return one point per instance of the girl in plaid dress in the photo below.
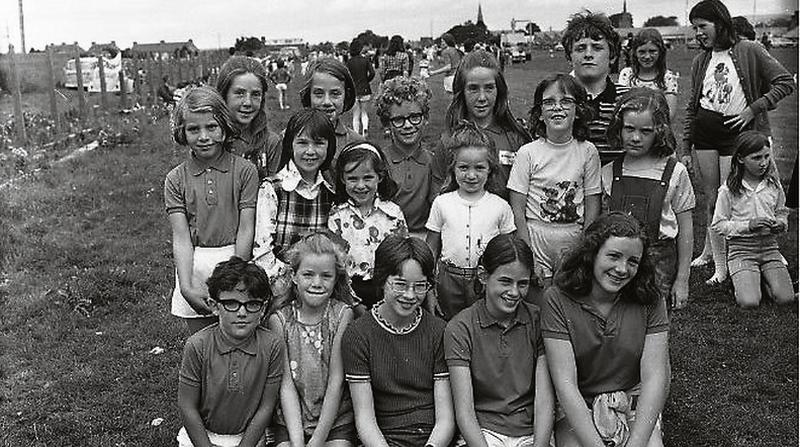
(300, 199)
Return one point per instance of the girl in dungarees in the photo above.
(649, 183)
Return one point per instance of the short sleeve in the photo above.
(507, 224)
(671, 83)
(519, 179)
(273, 154)
(249, 185)
(436, 217)
(657, 320)
(355, 354)
(174, 189)
(457, 343)
(683, 200)
(335, 221)
(554, 319)
(440, 370)
(400, 226)
(606, 179)
(191, 372)
(266, 215)
(276, 356)
(591, 179)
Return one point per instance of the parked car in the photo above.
(517, 55)
(783, 42)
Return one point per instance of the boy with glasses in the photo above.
(403, 106)
(231, 371)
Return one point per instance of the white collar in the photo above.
(290, 178)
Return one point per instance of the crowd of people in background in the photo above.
(511, 285)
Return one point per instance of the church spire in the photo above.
(480, 14)
(624, 6)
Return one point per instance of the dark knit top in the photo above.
(400, 368)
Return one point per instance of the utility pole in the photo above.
(22, 27)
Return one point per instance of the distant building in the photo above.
(103, 49)
(670, 34)
(166, 50)
(67, 48)
(623, 19)
(287, 46)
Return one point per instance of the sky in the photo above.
(217, 24)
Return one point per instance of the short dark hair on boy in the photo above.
(229, 274)
(644, 100)
(318, 125)
(355, 47)
(336, 69)
(575, 275)
(595, 26)
(401, 89)
(396, 250)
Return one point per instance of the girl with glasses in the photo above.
(555, 180)
(403, 105)
(394, 358)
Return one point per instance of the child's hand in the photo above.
(197, 299)
(680, 294)
(777, 227)
(759, 223)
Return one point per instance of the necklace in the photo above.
(389, 326)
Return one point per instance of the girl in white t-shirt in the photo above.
(466, 216)
(734, 83)
(555, 180)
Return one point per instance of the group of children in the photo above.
(350, 241)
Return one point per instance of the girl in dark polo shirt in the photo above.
(606, 339)
(501, 389)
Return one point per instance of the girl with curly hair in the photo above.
(606, 338)
(403, 106)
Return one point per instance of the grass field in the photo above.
(86, 269)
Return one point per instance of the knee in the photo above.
(782, 297)
(747, 300)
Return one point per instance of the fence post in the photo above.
(137, 81)
(180, 72)
(19, 119)
(52, 90)
(103, 95)
(160, 68)
(123, 91)
(151, 98)
(79, 81)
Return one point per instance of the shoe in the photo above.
(717, 279)
(701, 261)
